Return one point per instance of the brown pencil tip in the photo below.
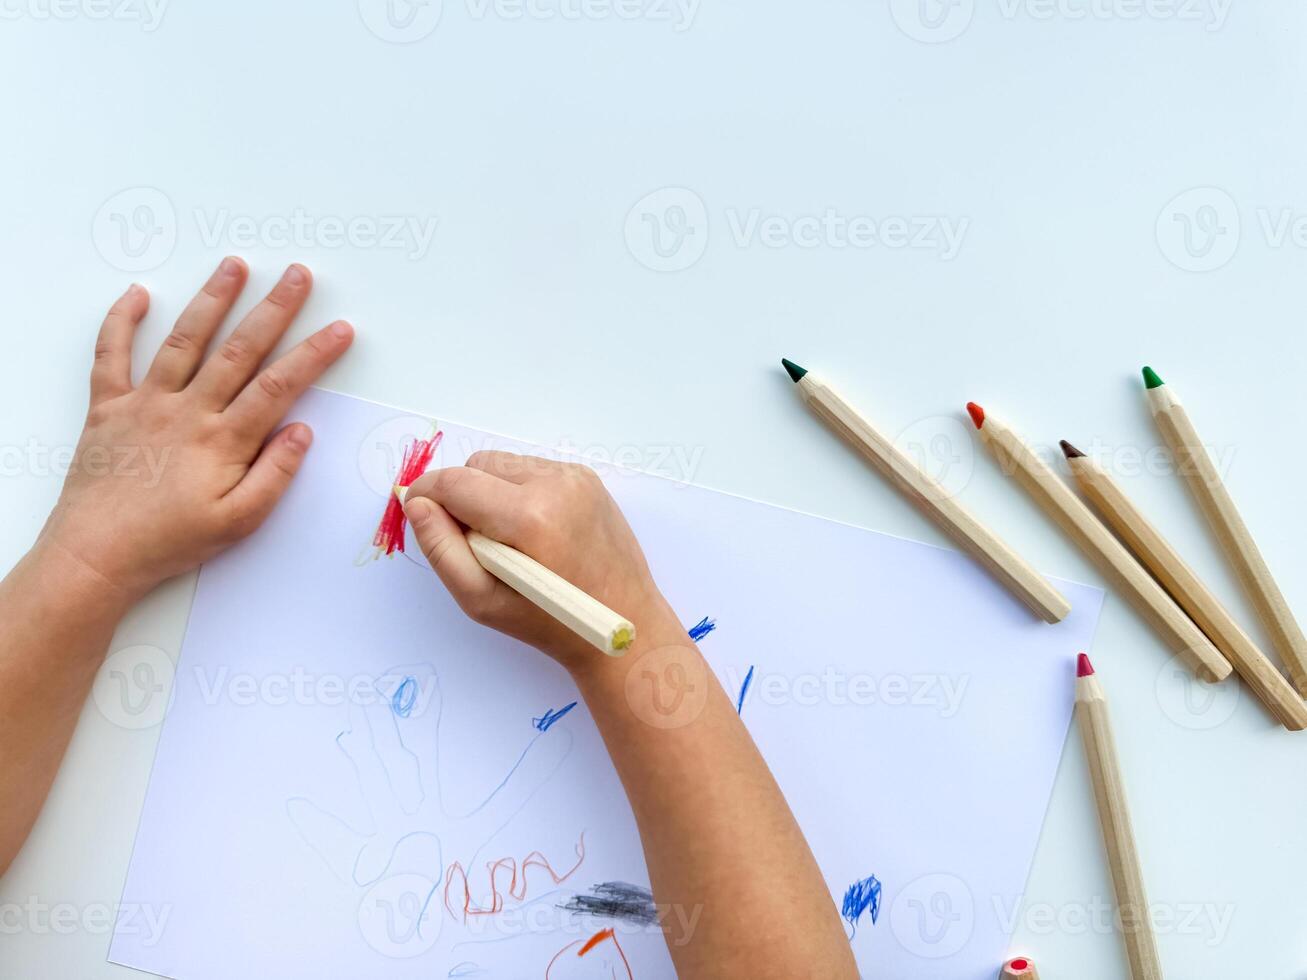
(977, 414)
(1070, 451)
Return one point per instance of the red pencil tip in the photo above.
(1083, 667)
(977, 414)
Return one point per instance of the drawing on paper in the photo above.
(861, 897)
(413, 832)
(390, 532)
(598, 958)
(551, 717)
(616, 900)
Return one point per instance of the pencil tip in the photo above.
(1083, 667)
(1070, 451)
(796, 373)
(1151, 379)
(977, 414)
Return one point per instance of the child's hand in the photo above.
(170, 473)
(562, 516)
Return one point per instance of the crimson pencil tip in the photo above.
(1083, 667)
(977, 414)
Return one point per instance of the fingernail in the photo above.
(418, 510)
(341, 329)
(295, 276)
(134, 289)
(301, 437)
(230, 267)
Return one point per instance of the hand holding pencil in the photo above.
(547, 556)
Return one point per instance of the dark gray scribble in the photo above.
(616, 900)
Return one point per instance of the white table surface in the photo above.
(1053, 134)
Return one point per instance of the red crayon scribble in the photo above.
(517, 884)
(610, 963)
(417, 457)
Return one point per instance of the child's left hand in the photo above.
(171, 472)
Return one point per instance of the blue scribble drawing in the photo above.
(403, 827)
(744, 689)
(549, 718)
(702, 628)
(862, 896)
(404, 697)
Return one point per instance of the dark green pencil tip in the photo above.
(796, 373)
(1151, 380)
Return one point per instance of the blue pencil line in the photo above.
(549, 718)
(702, 628)
(744, 689)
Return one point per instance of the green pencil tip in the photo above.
(796, 373)
(1151, 380)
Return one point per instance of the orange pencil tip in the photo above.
(977, 414)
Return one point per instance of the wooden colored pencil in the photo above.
(1188, 590)
(1196, 467)
(1060, 503)
(1020, 968)
(1114, 816)
(931, 498)
(580, 612)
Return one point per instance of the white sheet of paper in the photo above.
(345, 750)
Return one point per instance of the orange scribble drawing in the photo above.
(517, 882)
(603, 957)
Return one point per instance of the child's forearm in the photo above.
(59, 617)
(726, 857)
(208, 470)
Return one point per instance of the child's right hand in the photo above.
(562, 516)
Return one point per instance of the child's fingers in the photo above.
(266, 400)
(111, 375)
(509, 466)
(183, 350)
(483, 502)
(233, 364)
(252, 500)
(446, 547)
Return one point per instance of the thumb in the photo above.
(445, 546)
